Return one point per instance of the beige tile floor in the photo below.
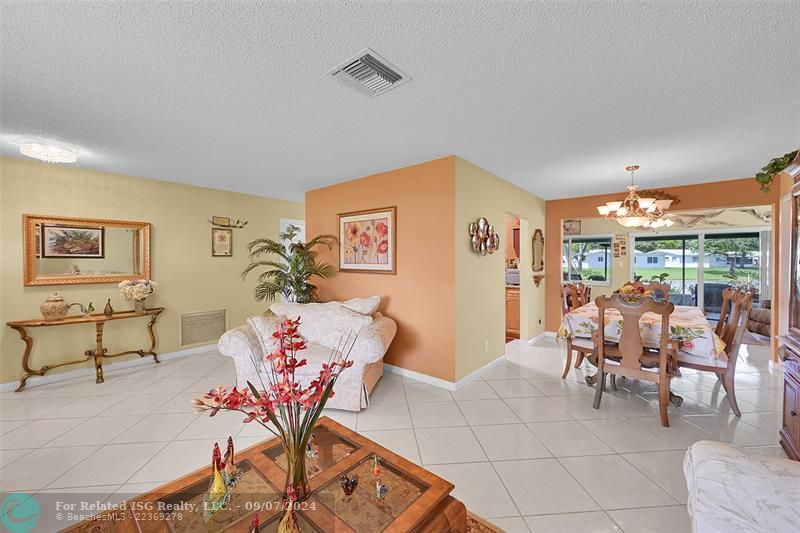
(523, 448)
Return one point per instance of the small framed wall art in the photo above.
(221, 242)
(572, 227)
(368, 241)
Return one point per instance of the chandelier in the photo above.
(636, 211)
(48, 153)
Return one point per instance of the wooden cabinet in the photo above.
(512, 312)
(790, 349)
(790, 430)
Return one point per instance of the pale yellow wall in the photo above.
(188, 278)
(480, 280)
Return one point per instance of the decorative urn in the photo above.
(54, 307)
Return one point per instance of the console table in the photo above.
(98, 354)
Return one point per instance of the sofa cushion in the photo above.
(363, 306)
(316, 354)
(264, 327)
(328, 324)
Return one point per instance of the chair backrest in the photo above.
(574, 295)
(659, 289)
(727, 294)
(632, 308)
(740, 304)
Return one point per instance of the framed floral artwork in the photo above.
(72, 241)
(367, 241)
(221, 242)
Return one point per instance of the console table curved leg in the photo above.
(152, 350)
(98, 353)
(26, 357)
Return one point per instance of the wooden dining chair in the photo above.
(659, 289)
(731, 329)
(723, 312)
(573, 296)
(629, 357)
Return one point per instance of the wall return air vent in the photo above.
(370, 73)
(203, 327)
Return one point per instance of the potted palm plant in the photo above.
(288, 268)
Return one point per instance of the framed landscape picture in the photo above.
(72, 241)
(367, 241)
(221, 242)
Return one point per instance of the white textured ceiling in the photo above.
(556, 97)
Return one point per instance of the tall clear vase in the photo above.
(296, 475)
(140, 306)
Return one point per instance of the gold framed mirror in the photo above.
(67, 250)
(537, 247)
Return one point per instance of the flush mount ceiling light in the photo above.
(48, 153)
(640, 209)
(369, 73)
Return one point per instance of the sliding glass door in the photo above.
(699, 266)
(671, 260)
(733, 259)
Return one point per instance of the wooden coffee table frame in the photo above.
(434, 511)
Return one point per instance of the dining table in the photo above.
(688, 327)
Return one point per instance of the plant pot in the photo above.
(140, 306)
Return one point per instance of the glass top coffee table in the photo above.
(417, 499)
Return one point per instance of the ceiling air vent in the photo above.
(370, 73)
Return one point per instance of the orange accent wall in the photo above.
(421, 296)
(733, 193)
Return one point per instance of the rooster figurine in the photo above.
(217, 496)
(254, 523)
(229, 471)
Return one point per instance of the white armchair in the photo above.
(733, 490)
(323, 326)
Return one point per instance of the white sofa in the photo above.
(731, 490)
(324, 327)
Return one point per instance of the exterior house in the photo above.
(596, 259)
(665, 258)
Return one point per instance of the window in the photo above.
(587, 259)
(652, 260)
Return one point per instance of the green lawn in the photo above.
(676, 274)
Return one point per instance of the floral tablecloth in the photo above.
(686, 324)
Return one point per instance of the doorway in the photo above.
(512, 276)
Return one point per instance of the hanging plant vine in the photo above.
(775, 166)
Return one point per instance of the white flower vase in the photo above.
(140, 306)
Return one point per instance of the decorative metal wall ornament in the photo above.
(227, 222)
(484, 239)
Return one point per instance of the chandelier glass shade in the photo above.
(636, 211)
